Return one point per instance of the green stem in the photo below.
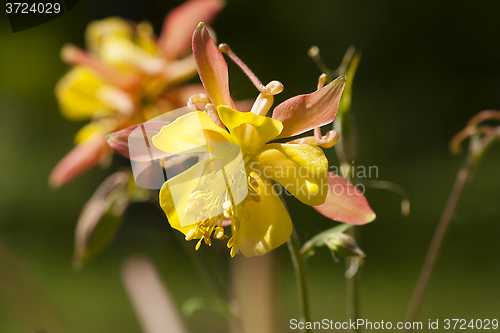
(347, 153)
(300, 274)
(352, 286)
(476, 150)
(351, 280)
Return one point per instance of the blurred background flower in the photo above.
(427, 67)
(126, 77)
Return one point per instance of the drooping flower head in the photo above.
(235, 186)
(125, 77)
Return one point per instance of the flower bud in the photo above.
(343, 245)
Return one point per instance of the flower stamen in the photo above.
(264, 101)
(191, 234)
(224, 48)
(198, 245)
(322, 80)
(211, 110)
(228, 213)
(219, 233)
(328, 140)
(198, 98)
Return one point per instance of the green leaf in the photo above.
(100, 217)
(350, 72)
(102, 236)
(342, 123)
(138, 194)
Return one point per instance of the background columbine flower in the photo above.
(260, 223)
(126, 77)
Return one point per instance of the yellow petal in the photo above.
(125, 55)
(146, 38)
(252, 131)
(268, 225)
(128, 48)
(77, 94)
(189, 134)
(193, 196)
(100, 127)
(168, 206)
(174, 203)
(300, 168)
(98, 31)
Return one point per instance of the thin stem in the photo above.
(227, 50)
(314, 54)
(352, 264)
(347, 153)
(476, 150)
(300, 274)
(299, 265)
(352, 286)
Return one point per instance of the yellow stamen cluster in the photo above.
(204, 229)
(209, 108)
(197, 204)
(213, 226)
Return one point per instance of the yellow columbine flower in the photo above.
(235, 184)
(260, 223)
(125, 77)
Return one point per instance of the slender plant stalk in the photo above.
(352, 286)
(346, 151)
(473, 157)
(300, 274)
(351, 279)
(299, 265)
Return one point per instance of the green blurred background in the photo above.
(427, 67)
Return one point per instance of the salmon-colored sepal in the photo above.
(345, 203)
(80, 159)
(212, 67)
(302, 113)
(134, 142)
(175, 38)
